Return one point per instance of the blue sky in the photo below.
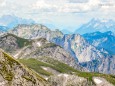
(63, 14)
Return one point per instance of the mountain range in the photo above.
(86, 54)
(104, 40)
(94, 25)
(45, 57)
(102, 25)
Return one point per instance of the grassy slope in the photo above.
(36, 65)
(62, 68)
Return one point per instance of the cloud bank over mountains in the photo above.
(60, 12)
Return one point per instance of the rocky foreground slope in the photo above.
(12, 73)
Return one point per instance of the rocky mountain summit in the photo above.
(35, 31)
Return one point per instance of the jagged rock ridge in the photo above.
(35, 31)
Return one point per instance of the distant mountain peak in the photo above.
(95, 24)
(11, 21)
(104, 40)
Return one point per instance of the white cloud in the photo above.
(2, 3)
(57, 6)
(67, 6)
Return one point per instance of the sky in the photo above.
(62, 14)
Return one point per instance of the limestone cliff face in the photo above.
(96, 60)
(82, 50)
(12, 73)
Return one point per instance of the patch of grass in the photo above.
(22, 42)
(59, 66)
(29, 79)
(54, 64)
(49, 45)
(9, 77)
(10, 60)
(35, 65)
